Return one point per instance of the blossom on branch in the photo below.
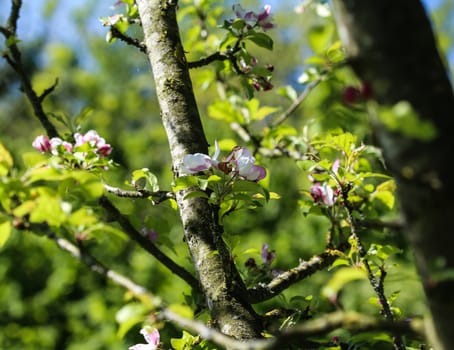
(94, 140)
(262, 20)
(323, 194)
(58, 145)
(151, 336)
(240, 162)
(197, 162)
(42, 143)
(87, 152)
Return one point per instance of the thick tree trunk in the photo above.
(391, 45)
(219, 279)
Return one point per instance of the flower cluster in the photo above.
(239, 163)
(87, 148)
(152, 337)
(262, 20)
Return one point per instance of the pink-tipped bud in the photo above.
(42, 143)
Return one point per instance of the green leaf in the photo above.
(223, 110)
(263, 112)
(385, 197)
(24, 208)
(196, 194)
(130, 315)
(320, 38)
(247, 186)
(6, 160)
(5, 232)
(48, 209)
(33, 159)
(87, 184)
(183, 343)
(340, 278)
(227, 41)
(340, 262)
(45, 174)
(12, 40)
(288, 92)
(82, 115)
(183, 182)
(383, 252)
(144, 179)
(260, 39)
(83, 217)
(336, 52)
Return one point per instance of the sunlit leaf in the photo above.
(5, 232)
(6, 160)
(130, 315)
(261, 39)
(340, 278)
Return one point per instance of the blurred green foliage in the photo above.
(48, 300)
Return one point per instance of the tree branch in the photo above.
(288, 278)
(221, 283)
(14, 15)
(301, 334)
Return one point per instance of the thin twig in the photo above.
(15, 61)
(283, 117)
(48, 91)
(377, 284)
(217, 56)
(128, 40)
(156, 196)
(146, 244)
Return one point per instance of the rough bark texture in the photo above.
(391, 45)
(219, 279)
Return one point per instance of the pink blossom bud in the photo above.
(350, 95)
(42, 143)
(323, 194)
(104, 150)
(264, 19)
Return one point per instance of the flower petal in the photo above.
(194, 163)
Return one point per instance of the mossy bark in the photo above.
(391, 45)
(223, 288)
